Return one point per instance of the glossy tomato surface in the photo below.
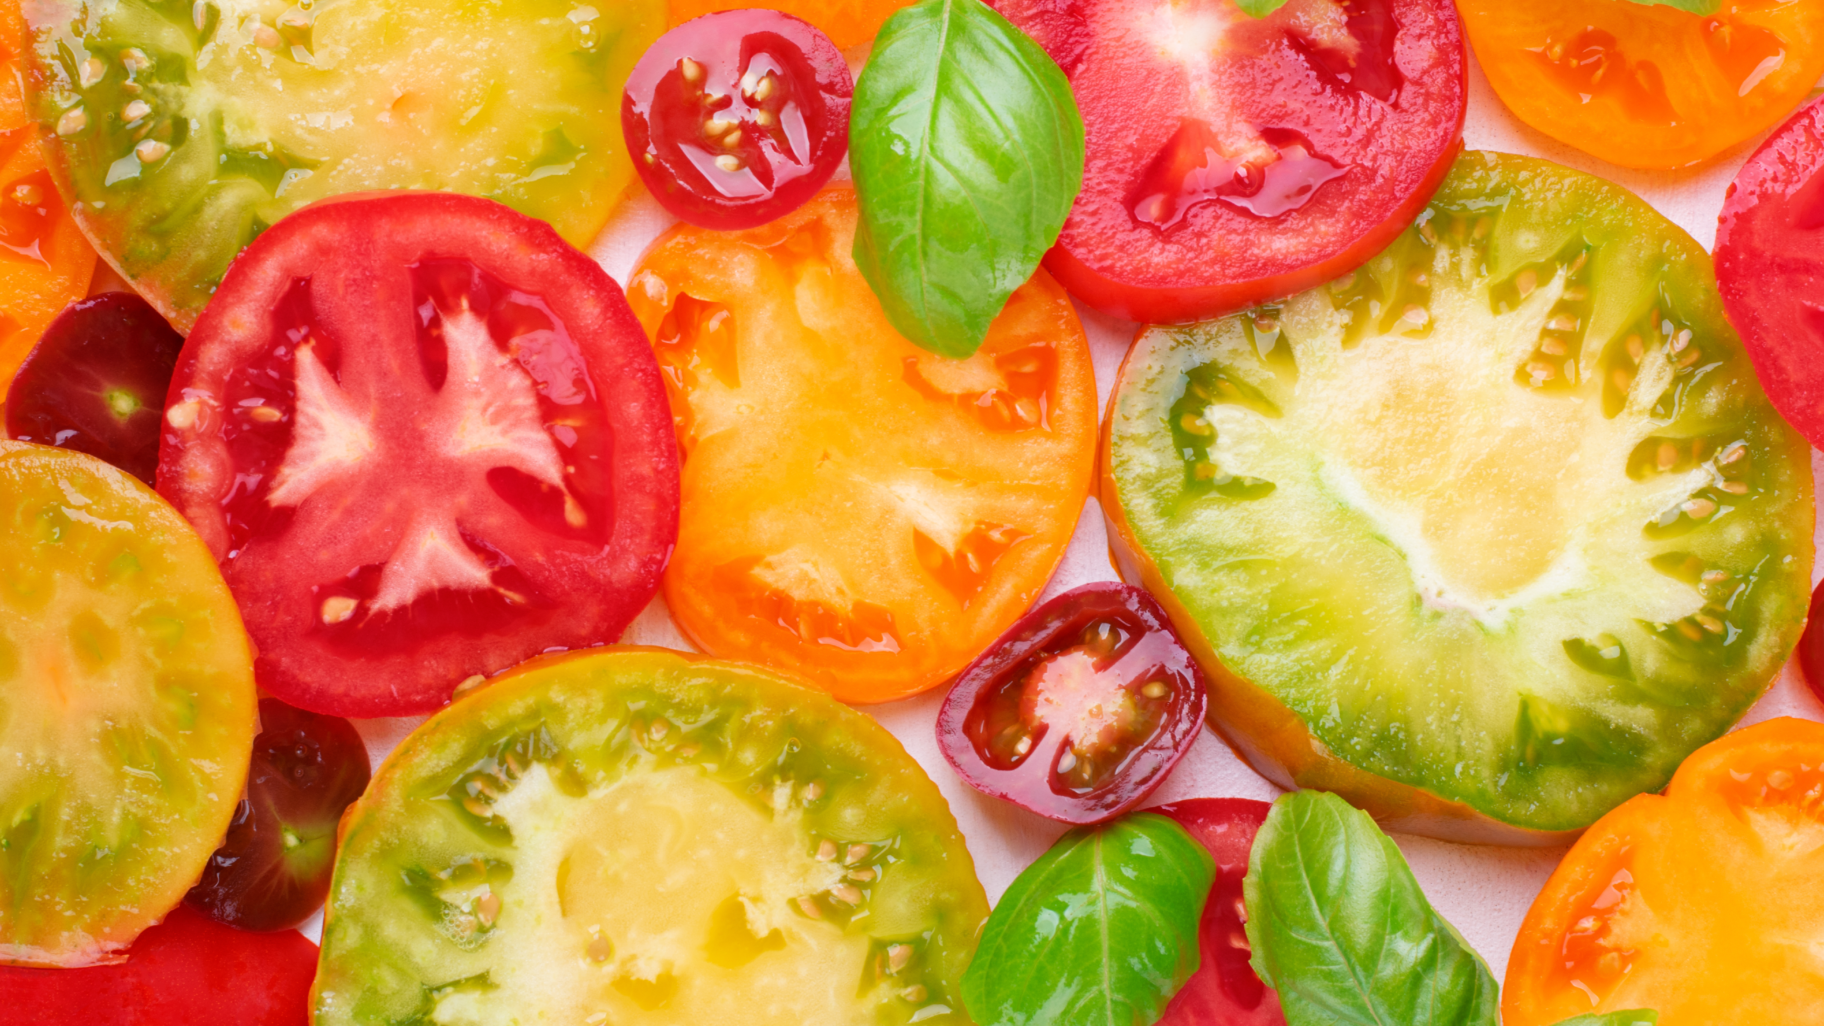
(96, 382)
(849, 23)
(1770, 266)
(272, 870)
(1263, 155)
(1811, 644)
(1648, 85)
(737, 117)
(1079, 710)
(860, 511)
(187, 971)
(1701, 904)
(1225, 991)
(426, 440)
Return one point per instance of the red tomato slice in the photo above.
(1770, 266)
(426, 439)
(1262, 156)
(187, 971)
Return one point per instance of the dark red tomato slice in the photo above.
(96, 382)
(1811, 645)
(426, 439)
(273, 869)
(1263, 155)
(1770, 266)
(1079, 710)
(737, 117)
(187, 971)
(1224, 991)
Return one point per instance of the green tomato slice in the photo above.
(181, 130)
(636, 836)
(1503, 516)
(126, 707)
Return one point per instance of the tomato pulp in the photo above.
(1262, 157)
(426, 439)
(1225, 991)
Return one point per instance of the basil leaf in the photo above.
(967, 152)
(1260, 8)
(1694, 6)
(1633, 1017)
(1341, 929)
(1100, 931)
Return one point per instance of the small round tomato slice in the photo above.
(1224, 991)
(737, 117)
(426, 439)
(1079, 710)
(1648, 86)
(186, 971)
(858, 510)
(1770, 266)
(1264, 155)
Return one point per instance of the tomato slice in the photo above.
(1264, 155)
(1079, 710)
(1702, 904)
(737, 117)
(858, 510)
(426, 439)
(1811, 644)
(848, 23)
(1648, 86)
(187, 971)
(1224, 991)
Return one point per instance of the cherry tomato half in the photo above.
(1811, 644)
(737, 117)
(1225, 991)
(1079, 710)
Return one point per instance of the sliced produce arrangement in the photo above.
(1486, 536)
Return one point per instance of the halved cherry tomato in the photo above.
(1234, 159)
(1703, 904)
(187, 971)
(1079, 710)
(426, 440)
(849, 23)
(738, 117)
(1811, 644)
(861, 511)
(1645, 85)
(1225, 991)
(1770, 266)
(96, 382)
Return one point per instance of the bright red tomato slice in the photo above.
(426, 439)
(1262, 156)
(1770, 265)
(187, 971)
(737, 117)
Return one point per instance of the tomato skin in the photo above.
(1811, 645)
(1225, 991)
(187, 971)
(1128, 644)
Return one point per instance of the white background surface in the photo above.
(1483, 891)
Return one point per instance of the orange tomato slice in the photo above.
(848, 23)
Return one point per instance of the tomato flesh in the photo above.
(849, 23)
(737, 117)
(1265, 155)
(1225, 991)
(426, 439)
(96, 382)
(1811, 644)
(1079, 710)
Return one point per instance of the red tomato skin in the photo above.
(1770, 266)
(1224, 259)
(1224, 991)
(187, 971)
(600, 585)
(1811, 645)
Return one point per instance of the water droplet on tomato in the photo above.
(26, 208)
(1191, 169)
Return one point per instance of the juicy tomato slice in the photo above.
(738, 117)
(1079, 710)
(427, 440)
(1225, 991)
(1648, 86)
(96, 382)
(958, 482)
(1701, 904)
(1265, 155)
(272, 871)
(187, 971)
(1770, 266)
(849, 23)
(1811, 644)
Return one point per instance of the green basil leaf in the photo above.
(1341, 929)
(1632, 1017)
(967, 151)
(1694, 6)
(1100, 931)
(1260, 8)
